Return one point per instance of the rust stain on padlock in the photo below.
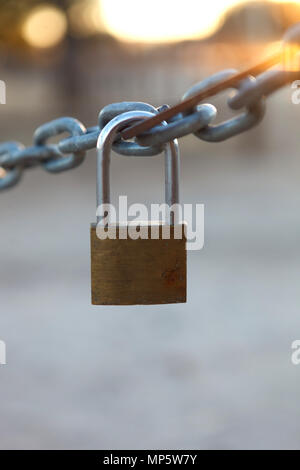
(172, 276)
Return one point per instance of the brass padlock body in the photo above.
(141, 271)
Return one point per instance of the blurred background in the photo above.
(214, 373)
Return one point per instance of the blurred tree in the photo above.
(11, 14)
(258, 21)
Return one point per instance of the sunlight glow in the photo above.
(163, 20)
(166, 20)
(45, 26)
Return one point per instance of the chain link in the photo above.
(236, 125)
(70, 152)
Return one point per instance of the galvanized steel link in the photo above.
(265, 84)
(236, 125)
(79, 143)
(121, 146)
(58, 161)
(12, 173)
(180, 127)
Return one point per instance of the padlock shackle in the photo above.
(104, 145)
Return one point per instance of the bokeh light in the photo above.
(85, 17)
(45, 26)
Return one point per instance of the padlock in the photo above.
(127, 271)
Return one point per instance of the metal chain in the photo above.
(70, 152)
